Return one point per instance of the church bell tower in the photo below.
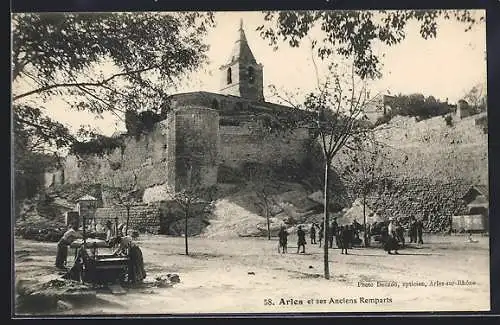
(242, 76)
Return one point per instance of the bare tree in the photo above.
(363, 170)
(263, 184)
(266, 202)
(189, 199)
(127, 199)
(194, 150)
(335, 114)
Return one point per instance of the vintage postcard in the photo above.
(250, 162)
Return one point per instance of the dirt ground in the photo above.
(249, 275)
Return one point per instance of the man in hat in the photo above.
(301, 241)
(333, 231)
(345, 238)
(400, 232)
(283, 239)
(412, 230)
(313, 234)
(419, 229)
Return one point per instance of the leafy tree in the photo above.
(141, 123)
(99, 146)
(476, 97)
(95, 62)
(418, 105)
(100, 61)
(353, 33)
(143, 51)
(30, 158)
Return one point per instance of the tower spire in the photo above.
(242, 37)
(242, 75)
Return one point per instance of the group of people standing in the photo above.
(416, 230)
(395, 234)
(348, 235)
(343, 236)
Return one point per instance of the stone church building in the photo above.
(204, 133)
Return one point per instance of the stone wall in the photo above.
(433, 166)
(434, 201)
(430, 149)
(144, 218)
(145, 161)
(239, 146)
(158, 162)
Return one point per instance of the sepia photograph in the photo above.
(190, 162)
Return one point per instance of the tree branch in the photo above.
(77, 84)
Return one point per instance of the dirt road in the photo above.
(249, 275)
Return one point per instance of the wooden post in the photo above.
(128, 218)
(116, 226)
(84, 233)
(326, 222)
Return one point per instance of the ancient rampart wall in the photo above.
(432, 200)
(239, 145)
(146, 161)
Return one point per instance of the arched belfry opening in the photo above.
(242, 76)
(251, 75)
(229, 78)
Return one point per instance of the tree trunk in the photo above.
(189, 179)
(365, 240)
(186, 231)
(326, 222)
(268, 224)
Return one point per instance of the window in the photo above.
(215, 104)
(251, 75)
(229, 77)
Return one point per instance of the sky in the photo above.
(445, 67)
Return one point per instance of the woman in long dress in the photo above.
(136, 271)
(391, 243)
